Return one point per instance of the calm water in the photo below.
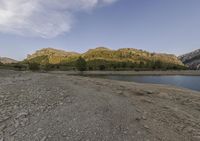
(191, 82)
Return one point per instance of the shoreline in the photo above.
(185, 73)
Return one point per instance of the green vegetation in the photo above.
(14, 66)
(81, 64)
(99, 59)
(20, 66)
(34, 66)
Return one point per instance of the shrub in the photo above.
(81, 64)
(102, 67)
(20, 67)
(34, 66)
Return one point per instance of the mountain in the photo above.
(6, 60)
(50, 55)
(192, 59)
(105, 58)
(138, 57)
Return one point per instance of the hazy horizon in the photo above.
(170, 26)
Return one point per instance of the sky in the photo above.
(165, 26)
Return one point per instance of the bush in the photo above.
(20, 67)
(81, 64)
(157, 64)
(90, 68)
(102, 67)
(34, 66)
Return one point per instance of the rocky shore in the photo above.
(61, 107)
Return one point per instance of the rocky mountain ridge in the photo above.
(192, 59)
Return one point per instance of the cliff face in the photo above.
(192, 59)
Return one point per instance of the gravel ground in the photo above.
(59, 107)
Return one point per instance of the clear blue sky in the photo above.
(168, 26)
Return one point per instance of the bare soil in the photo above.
(60, 107)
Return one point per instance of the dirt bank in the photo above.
(52, 107)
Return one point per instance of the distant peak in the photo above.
(51, 49)
(6, 60)
(101, 48)
(51, 52)
(127, 49)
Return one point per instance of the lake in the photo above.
(190, 82)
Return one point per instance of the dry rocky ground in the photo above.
(52, 107)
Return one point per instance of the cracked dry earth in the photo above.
(52, 107)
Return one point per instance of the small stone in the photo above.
(16, 123)
(39, 129)
(13, 133)
(2, 127)
(15, 107)
(22, 114)
(138, 110)
(138, 118)
(5, 118)
(64, 134)
(149, 92)
(1, 139)
(144, 118)
(147, 101)
(145, 126)
(35, 121)
(24, 122)
(119, 92)
(44, 138)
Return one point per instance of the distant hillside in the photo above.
(50, 55)
(192, 59)
(129, 54)
(131, 58)
(106, 59)
(6, 60)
